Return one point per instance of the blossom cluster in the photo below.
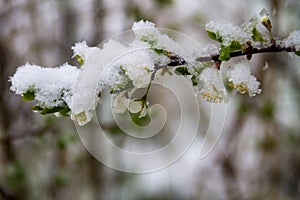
(122, 103)
(76, 91)
(242, 80)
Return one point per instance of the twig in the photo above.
(274, 48)
(176, 60)
(271, 49)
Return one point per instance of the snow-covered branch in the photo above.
(68, 90)
(274, 48)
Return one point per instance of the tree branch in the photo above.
(176, 60)
(274, 48)
(249, 51)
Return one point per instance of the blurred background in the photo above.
(41, 157)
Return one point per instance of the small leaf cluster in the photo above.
(62, 110)
(226, 48)
(182, 70)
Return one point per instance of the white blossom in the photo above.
(82, 118)
(213, 89)
(135, 106)
(240, 78)
(120, 104)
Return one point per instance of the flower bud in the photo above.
(265, 19)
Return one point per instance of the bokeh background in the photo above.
(41, 157)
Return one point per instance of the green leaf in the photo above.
(126, 84)
(194, 80)
(141, 121)
(235, 46)
(214, 36)
(51, 110)
(182, 71)
(297, 53)
(149, 40)
(160, 51)
(29, 95)
(224, 53)
(257, 36)
(65, 111)
(79, 59)
(123, 69)
(226, 50)
(36, 108)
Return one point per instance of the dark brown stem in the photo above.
(271, 49)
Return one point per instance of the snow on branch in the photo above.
(121, 67)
